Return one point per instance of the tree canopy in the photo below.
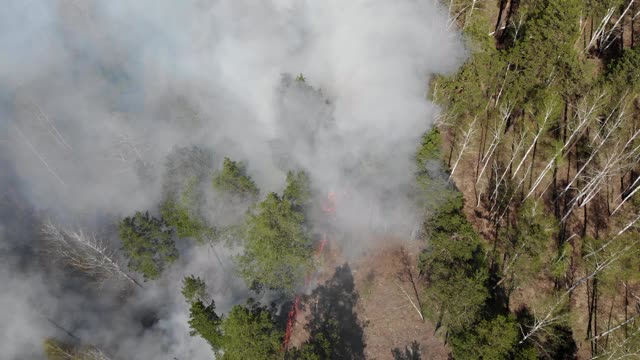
(277, 247)
(182, 214)
(234, 180)
(148, 243)
(454, 267)
(246, 332)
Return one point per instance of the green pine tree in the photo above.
(148, 243)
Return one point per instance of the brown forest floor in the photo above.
(393, 321)
(390, 320)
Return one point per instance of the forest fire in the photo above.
(291, 319)
(329, 208)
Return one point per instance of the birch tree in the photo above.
(85, 252)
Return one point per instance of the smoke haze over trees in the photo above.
(285, 179)
(112, 109)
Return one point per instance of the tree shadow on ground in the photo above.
(498, 301)
(555, 342)
(334, 328)
(411, 352)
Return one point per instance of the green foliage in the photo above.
(535, 77)
(533, 233)
(468, 91)
(320, 346)
(308, 351)
(148, 243)
(562, 261)
(233, 179)
(622, 271)
(247, 332)
(432, 185)
(277, 249)
(430, 147)
(490, 339)
(535, 226)
(298, 190)
(250, 332)
(186, 224)
(623, 74)
(545, 55)
(205, 322)
(182, 215)
(454, 266)
(194, 289)
(187, 170)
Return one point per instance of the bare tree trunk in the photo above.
(551, 317)
(600, 30)
(39, 156)
(85, 253)
(483, 134)
(467, 138)
(407, 276)
(585, 114)
(606, 342)
(607, 42)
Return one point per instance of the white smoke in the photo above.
(95, 94)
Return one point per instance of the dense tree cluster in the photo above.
(149, 244)
(278, 247)
(540, 132)
(246, 332)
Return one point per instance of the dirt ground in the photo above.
(383, 288)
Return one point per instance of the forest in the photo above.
(507, 227)
(539, 134)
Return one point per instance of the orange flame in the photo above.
(330, 209)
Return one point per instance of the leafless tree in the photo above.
(541, 128)
(553, 315)
(53, 130)
(504, 81)
(623, 199)
(607, 38)
(622, 324)
(467, 138)
(406, 276)
(585, 113)
(85, 253)
(600, 30)
(495, 141)
(598, 143)
(39, 155)
(515, 150)
(468, 17)
(129, 151)
(65, 352)
(622, 349)
(619, 158)
(629, 225)
(95, 354)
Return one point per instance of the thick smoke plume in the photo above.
(95, 94)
